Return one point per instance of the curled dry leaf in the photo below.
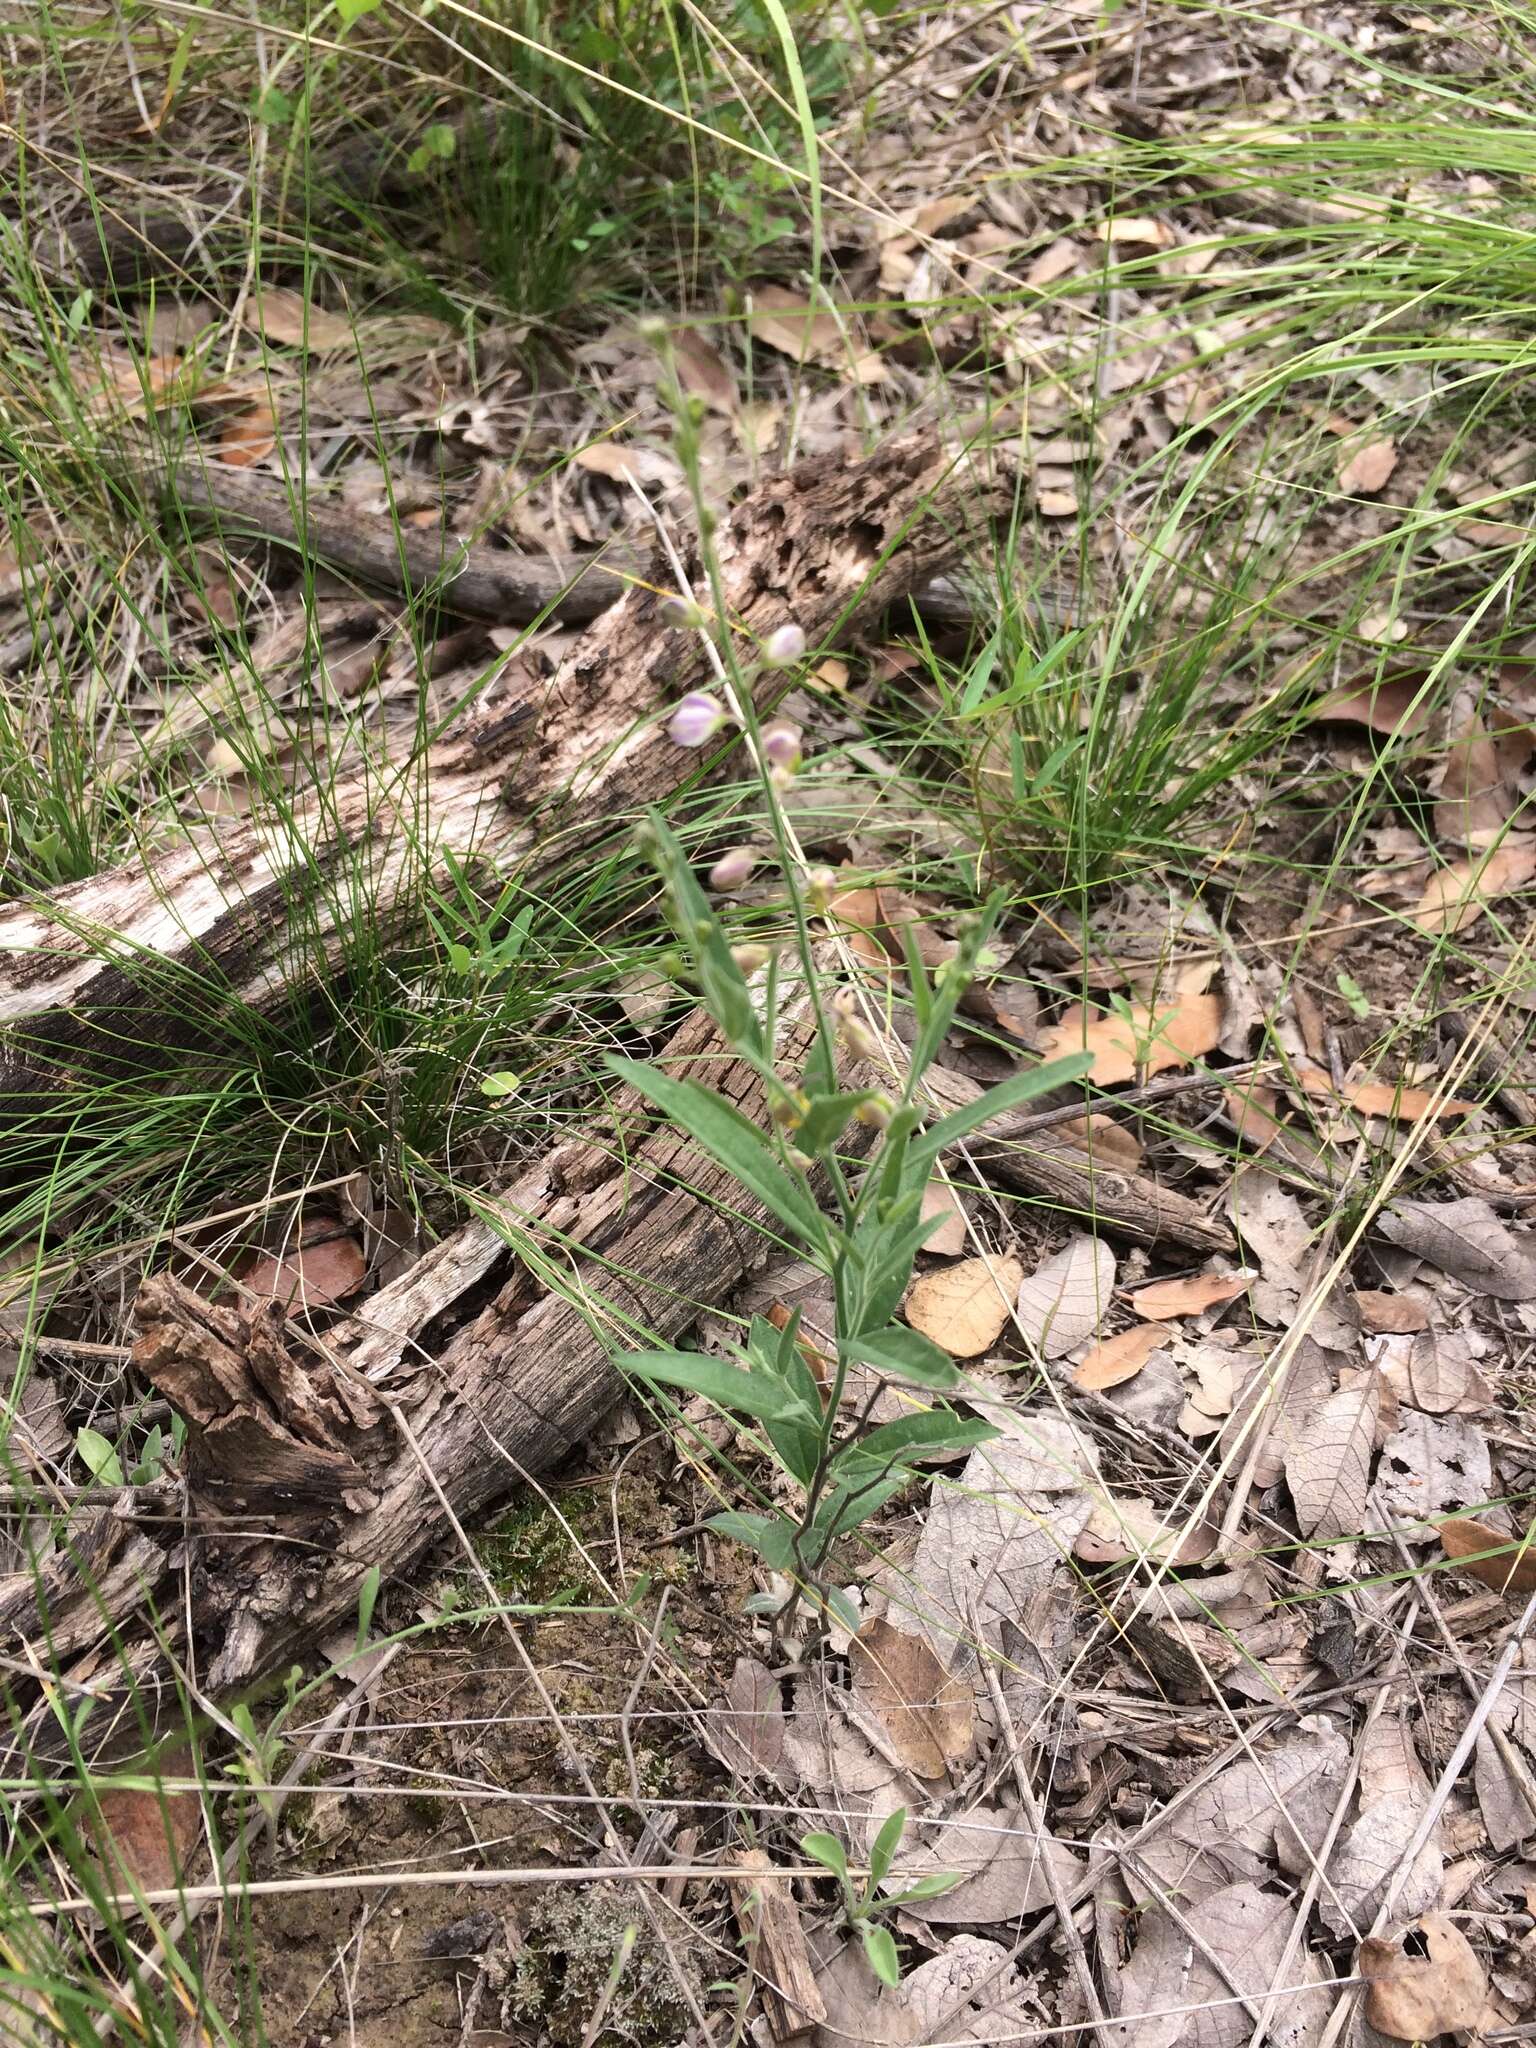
(1459, 894)
(1189, 1296)
(1390, 1314)
(645, 995)
(1425, 1979)
(1119, 1358)
(928, 1714)
(1369, 468)
(1053, 262)
(1149, 1040)
(1104, 1140)
(963, 1307)
(1135, 227)
(1063, 1303)
(1507, 1563)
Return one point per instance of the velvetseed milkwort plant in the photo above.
(867, 1236)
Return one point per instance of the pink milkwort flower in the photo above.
(733, 867)
(697, 718)
(781, 745)
(819, 884)
(784, 647)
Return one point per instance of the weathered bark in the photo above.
(154, 954)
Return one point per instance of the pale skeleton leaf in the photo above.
(1328, 1465)
(1063, 1303)
(1394, 1794)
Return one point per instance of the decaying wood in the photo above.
(467, 578)
(1108, 1198)
(155, 954)
(303, 1474)
(775, 1946)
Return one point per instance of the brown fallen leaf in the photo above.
(1369, 468)
(702, 371)
(1507, 1563)
(1122, 1527)
(1396, 704)
(627, 465)
(248, 436)
(1149, 1040)
(1390, 1314)
(1425, 1979)
(746, 1731)
(1062, 1304)
(1443, 1379)
(1053, 262)
(952, 1235)
(145, 1838)
(1467, 1240)
(963, 1307)
(1479, 786)
(785, 322)
(324, 1269)
(1135, 227)
(928, 1714)
(1189, 1296)
(1105, 1140)
(292, 321)
(1119, 1358)
(1381, 1098)
(1458, 895)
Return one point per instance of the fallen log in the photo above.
(304, 1473)
(469, 579)
(156, 956)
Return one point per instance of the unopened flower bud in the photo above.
(852, 1029)
(788, 1110)
(781, 744)
(876, 1113)
(783, 648)
(819, 884)
(697, 718)
(681, 611)
(802, 1162)
(733, 867)
(750, 958)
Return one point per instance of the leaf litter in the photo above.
(1201, 1849)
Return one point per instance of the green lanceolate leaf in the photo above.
(931, 1429)
(883, 1849)
(1009, 1094)
(934, 1887)
(731, 1139)
(98, 1457)
(828, 1851)
(721, 982)
(880, 1952)
(908, 1352)
(747, 1393)
(827, 1118)
(772, 1537)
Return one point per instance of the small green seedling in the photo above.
(862, 1907)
